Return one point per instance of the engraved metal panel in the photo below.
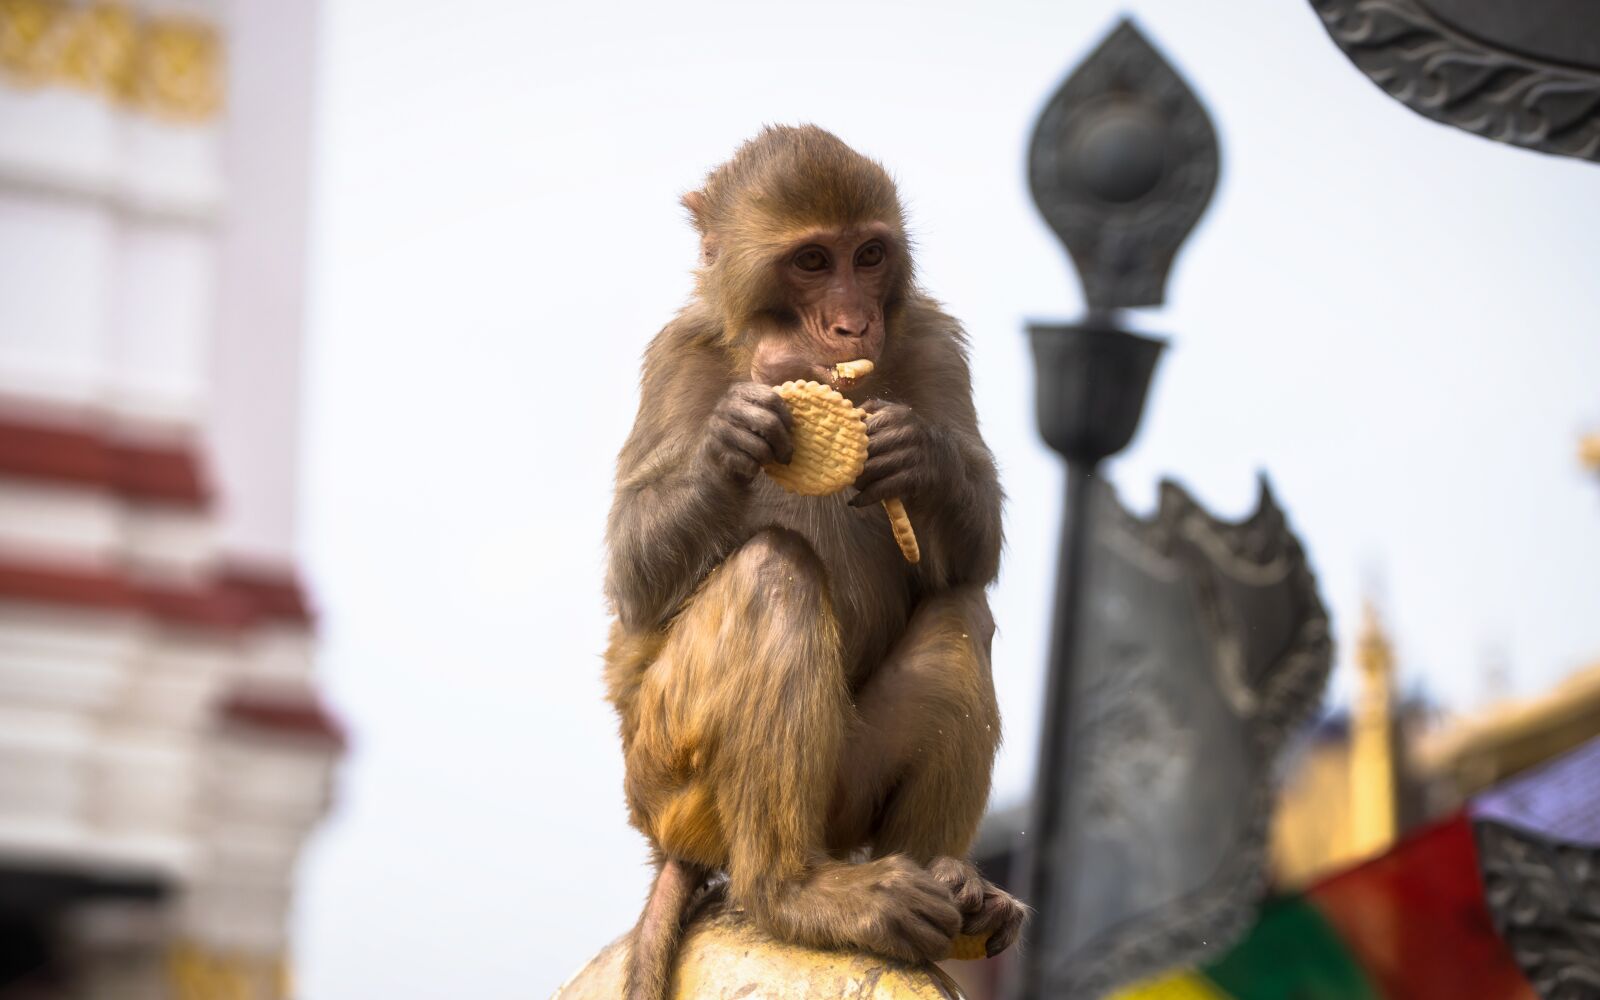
(1544, 897)
(1202, 642)
(1524, 72)
(1539, 853)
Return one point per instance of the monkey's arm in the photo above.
(936, 462)
(682, 485)
(959, 516)
(670, 524)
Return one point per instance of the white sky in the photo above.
(1395, 320)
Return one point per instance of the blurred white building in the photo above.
(163, 752)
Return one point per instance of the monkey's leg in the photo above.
(915, 777)
(744, 717)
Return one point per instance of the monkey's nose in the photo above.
(850, 329)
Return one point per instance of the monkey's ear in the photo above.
(695, 202)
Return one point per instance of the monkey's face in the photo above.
(834, 285)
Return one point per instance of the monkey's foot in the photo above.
(890, 906)
(987, 911)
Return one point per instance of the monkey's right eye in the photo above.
(811, 259)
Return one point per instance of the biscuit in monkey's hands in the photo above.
(830, 441)
(830, 449)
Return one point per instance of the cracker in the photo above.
(830, 448)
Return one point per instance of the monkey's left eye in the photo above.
(811, 259)
(870, 255)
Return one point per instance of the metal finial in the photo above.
(1123, 162)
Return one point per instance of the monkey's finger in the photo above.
(739, 465)
(747, 442)
(963, 881)
(886, 415)
(897, 486)
(969, 898)
(879, 412)
(871, 477)
(779, 406)
(767, 398)
(885, 464)
(771, 429)
(889, 434)
(922, 941)
(1006, 936)
(987, 916)
(939, 912)
(928, 925)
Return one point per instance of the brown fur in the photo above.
(790, 690)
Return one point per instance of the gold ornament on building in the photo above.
(198, 974)
(166, 66)
(180, 69)
(28, 38)
(98, 50)
(1340, 804)
(1372, 764)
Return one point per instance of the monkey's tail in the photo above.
(655, 939)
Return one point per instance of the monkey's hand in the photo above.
(900, 454)
(749, 428)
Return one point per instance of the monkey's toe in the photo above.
(986, 910)
(912, 916)
(1001, 919)
(963, 880)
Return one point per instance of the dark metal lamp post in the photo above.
(1123, 162)
(1183, 648)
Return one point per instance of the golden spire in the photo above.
(1372, 758)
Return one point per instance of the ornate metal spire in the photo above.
(1123, 163)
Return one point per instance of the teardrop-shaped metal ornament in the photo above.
(1123, 163)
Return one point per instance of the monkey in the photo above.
(803, 713)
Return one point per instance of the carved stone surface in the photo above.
(1123, 163)
(725, 955)
(1514, 90)
(1544, 896)
(1202, 643)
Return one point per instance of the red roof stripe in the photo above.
(233, 600)
(87, 457)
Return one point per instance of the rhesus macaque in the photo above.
(800, 707)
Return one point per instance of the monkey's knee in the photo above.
(928, 728)
(965, 612)
(944, 652)
(766, 601)
(744, 713)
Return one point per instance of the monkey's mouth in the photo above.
(796, 370)
(847, 374)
